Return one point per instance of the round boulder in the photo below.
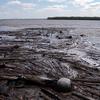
(64, 85)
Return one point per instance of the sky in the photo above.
(12, 9)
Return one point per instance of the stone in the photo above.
(64, 85)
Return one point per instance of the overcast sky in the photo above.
(48, 8)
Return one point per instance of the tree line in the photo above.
(73, 18)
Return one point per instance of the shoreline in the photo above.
(50, 54)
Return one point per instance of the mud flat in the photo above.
(28, 54)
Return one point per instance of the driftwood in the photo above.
(93, 92)
(50, 94)
(7, 66)
(45, 82)
(32, 70)
(26, 77)
(8, 47)
(88, 80)
(5, 49)
(82, 96)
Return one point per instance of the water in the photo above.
(90, 28)
(50, 23)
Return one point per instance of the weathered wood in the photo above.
(8, 77)
(88, 80)
(45, 52)
(82, 96)
(8, 47)
(7, 66)
(50, 94)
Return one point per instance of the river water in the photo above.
(90, 28)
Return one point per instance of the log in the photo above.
(93, 92)
(8, 77)
(6, 66)
(62, 85)
(88, 80)
(8, 47)
(45, 96)
(82, 96)
(15, 59)
(50, 94)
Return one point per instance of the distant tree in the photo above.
(73, 18)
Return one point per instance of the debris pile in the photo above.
(37, 63)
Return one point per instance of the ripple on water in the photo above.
(8, 28)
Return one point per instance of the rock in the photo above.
(64, 85)
(69, 37)
(82, 35)
(61, 32)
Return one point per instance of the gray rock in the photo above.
(64, 84)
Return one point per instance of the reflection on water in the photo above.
(8, 28)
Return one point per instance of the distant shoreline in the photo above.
(73, 18)
(56, 18)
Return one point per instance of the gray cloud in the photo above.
(21, 4)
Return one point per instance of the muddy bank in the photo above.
(51, 53)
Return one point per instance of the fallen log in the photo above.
(93, 92)
(88, 80)
(8, 47)
(6, 66)
(82, 96)
(45, 96)
(50, 94)
(15, 59)
(60, 85)
(8, 78)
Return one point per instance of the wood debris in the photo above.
(33, 59)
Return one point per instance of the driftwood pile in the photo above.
(32, 61)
